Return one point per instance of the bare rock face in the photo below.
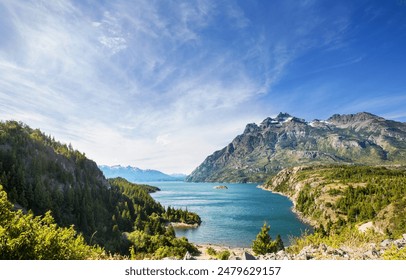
(286, 141)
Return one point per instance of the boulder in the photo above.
(282, 255)
(400, 243)
(371, 255)
(306, 253)
(386, 243)
(270, 256)
(188, 256)
(247, 256)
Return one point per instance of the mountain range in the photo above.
(285, 141)
(135, 174)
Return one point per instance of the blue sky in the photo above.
(163, 84)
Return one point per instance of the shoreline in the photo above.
(298, 214)
(178, 225)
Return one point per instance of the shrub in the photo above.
(24, 236)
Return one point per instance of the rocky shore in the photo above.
(372, 251)
(323, 252)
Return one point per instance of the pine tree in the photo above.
(261, 244)
(264, 244)
(279, 243)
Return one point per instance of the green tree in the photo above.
(264, 244)
(261, 244)
(279, 243)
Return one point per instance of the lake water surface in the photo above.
(231, 217)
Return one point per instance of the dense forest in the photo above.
(40, 174)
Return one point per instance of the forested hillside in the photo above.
(347, 203)
(40, 174)
(336, 196)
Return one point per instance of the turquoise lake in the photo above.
(231, 217)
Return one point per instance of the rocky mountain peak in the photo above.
(281, 117)
(251, 128)
(286, 141)
(353, 118)
(279, 121)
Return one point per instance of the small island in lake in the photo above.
(221, 187)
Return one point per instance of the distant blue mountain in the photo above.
(134, 174)
(178, 176)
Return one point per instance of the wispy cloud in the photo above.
(146, 82)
